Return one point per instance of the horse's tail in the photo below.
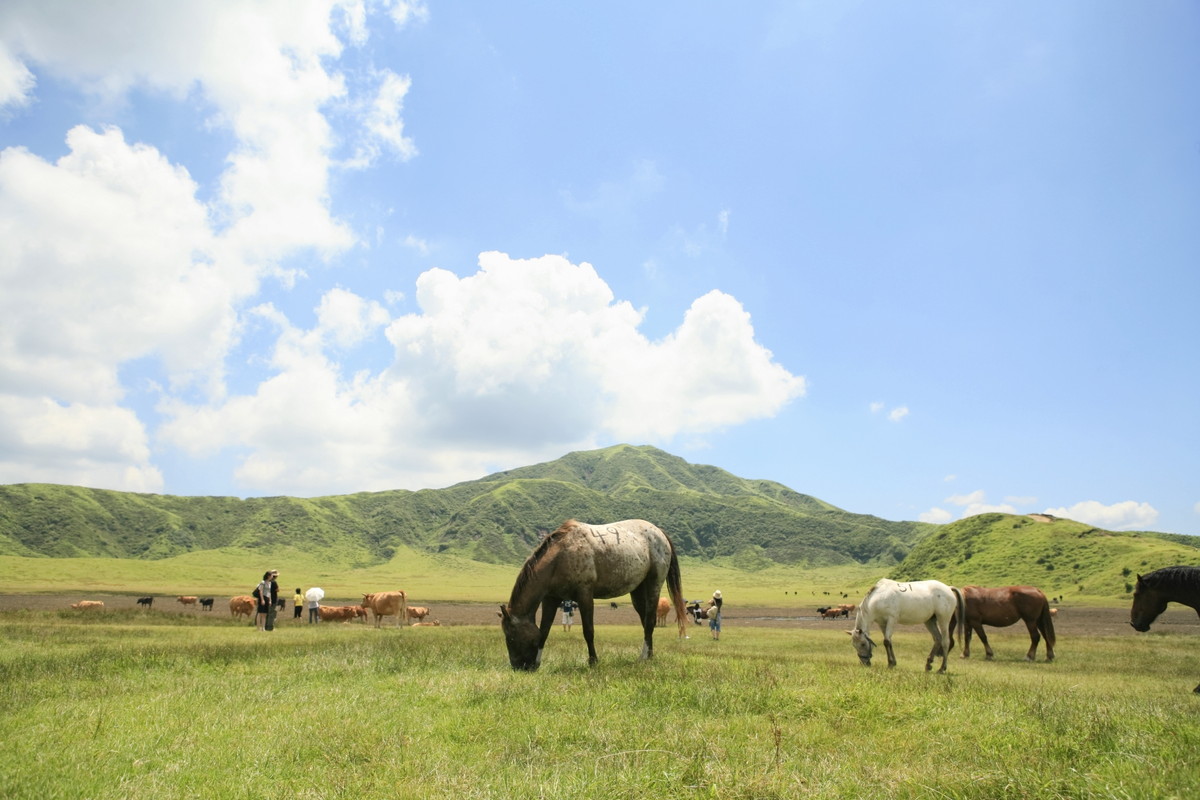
(675, 587)
(961, 603)
(1046, 625)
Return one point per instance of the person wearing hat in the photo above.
(713, 612)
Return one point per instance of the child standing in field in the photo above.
(714, 615)
(298, 600)
(568, 612)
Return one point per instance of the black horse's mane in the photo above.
(1182, 581)
(536, 556)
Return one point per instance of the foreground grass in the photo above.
(121, 707)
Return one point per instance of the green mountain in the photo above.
(708, 512)
(1059, 556)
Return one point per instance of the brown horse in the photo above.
(583, 563)
(1155, 590)
(1004, 606)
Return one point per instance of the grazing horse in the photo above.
(1003, 606)
(583, 563)
(931, 603)
(1156, 589)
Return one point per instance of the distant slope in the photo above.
(1062, 557)
(709, 513)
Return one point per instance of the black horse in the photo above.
(1156, 589)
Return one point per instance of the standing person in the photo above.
(262, 595)
(314, 608)
(568, 609)
(273, 608)
(298, 600)
(714, 615)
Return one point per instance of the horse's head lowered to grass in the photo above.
(862, 645)
(523, 639)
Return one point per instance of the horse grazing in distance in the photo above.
(1004, 606)
(584, 563)
(1167, 585)
(931, 603)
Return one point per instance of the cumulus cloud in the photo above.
(111, 243)
(521, 360)
(1126, 516)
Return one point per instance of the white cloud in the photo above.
(895, 415)
(520, 361)
(1196, 508)
(382, 125)
(723, 222)
(938, 516)
(107, 256)
(1126, 516)
(950, 478)
(974, 504)
(16, 81)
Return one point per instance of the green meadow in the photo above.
(130, 705)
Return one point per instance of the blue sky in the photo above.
(918, 261)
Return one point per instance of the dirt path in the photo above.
(1070, 621)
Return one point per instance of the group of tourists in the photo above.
(266, 595)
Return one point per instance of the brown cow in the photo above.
(338, 613)
(88, 605)
(242, 604)
(664, 607)
(418, 613)
(387, 604)
(187, 601)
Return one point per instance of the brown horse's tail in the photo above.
(675, 587)
(962, 618)
(1046, 626)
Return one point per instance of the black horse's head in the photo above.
(1148, 603)
(862, 645)
(523, 639)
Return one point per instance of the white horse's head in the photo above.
(862, 645)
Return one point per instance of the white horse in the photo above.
(931, 603)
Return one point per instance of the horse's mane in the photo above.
(539, 552)
(1178, 578)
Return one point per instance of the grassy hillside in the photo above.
(498, 519)
(1061, 557)
(757, 537)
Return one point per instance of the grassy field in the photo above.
(132, 706)
(427, 578)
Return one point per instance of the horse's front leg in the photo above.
(587, 617)
(941, 644)
(546, 624)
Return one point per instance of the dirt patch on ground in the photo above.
(1069, 622)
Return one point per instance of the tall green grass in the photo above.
(120, 706)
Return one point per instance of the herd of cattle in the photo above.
(381, 604)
